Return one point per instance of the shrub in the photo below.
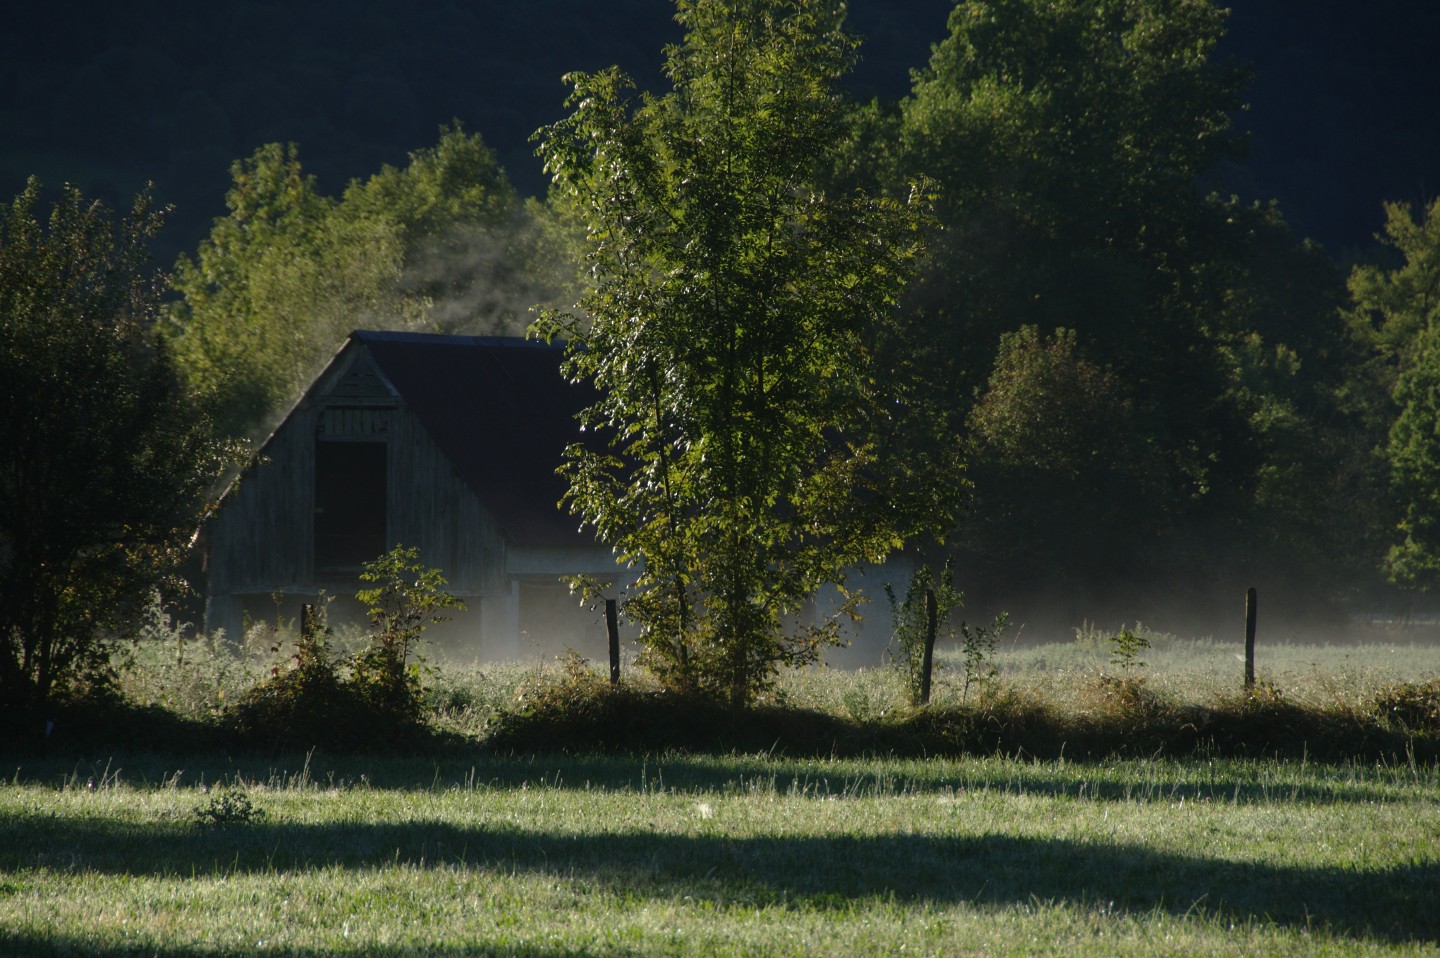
(304, 701)
(1126, 647)
(228, 808)
(407, 599)
(1414, 706)
(977, 648)
(910, 619)
(373, 700)
(106, 464)
(577, 709)
(1126, 698)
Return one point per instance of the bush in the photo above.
(910, 618)
(305, 700)
(1126, 647)
(578, 710)
(373, 700)
(406, 600)
(1414, 706)
(106, 463)
(228, 808)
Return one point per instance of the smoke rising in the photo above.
(490, 280)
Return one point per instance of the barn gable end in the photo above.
(445, 443)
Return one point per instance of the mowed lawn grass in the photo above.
(739, 855)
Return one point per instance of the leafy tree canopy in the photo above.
(441, 244)
(1049, 417)
(1077, 144)
(729, 334)
(106, 462)
(1395, 303)
(1397, 311)
(1069, 139)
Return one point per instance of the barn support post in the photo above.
(222, 617)
(1250, 639)
(612, 628)
(500, 622)
(510, 619)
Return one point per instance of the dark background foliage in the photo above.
(1244, 415)
(1345, 111)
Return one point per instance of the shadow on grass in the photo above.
(112, 725)
(46, 946)
(1093, 781)
(1236, 782)
(1394, 904)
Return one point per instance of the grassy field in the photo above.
(738, 855)
(469, 851)
(1183, 669)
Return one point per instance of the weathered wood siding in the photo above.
(262, 539)
(432, 509)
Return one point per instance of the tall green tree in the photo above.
(728, 333)
(275, 289)
(475, 257)
(1077, 144)
(1068, 138)
(441, 244)
(1050, 417)
(1397, 312)
(1396, 300)
(107, 463)
(1305, 506)
(1414, 454)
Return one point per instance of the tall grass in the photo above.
(1049, 699)
(1203, 670)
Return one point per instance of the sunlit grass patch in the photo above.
(726, 855)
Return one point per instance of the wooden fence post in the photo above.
(612, 626)
(928, 662)
(1250, 639)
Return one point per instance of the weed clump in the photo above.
(911, 622)
(227, 809)
(307, 700)
(578, 710)
(1413, 706)
(374, 699)
(1127, 706)
(1002, 720)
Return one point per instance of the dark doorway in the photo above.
(350, 496)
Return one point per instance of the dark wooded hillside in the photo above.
(1345, 111)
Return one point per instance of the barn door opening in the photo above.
(350, 499)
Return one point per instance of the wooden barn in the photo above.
(448, 444)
